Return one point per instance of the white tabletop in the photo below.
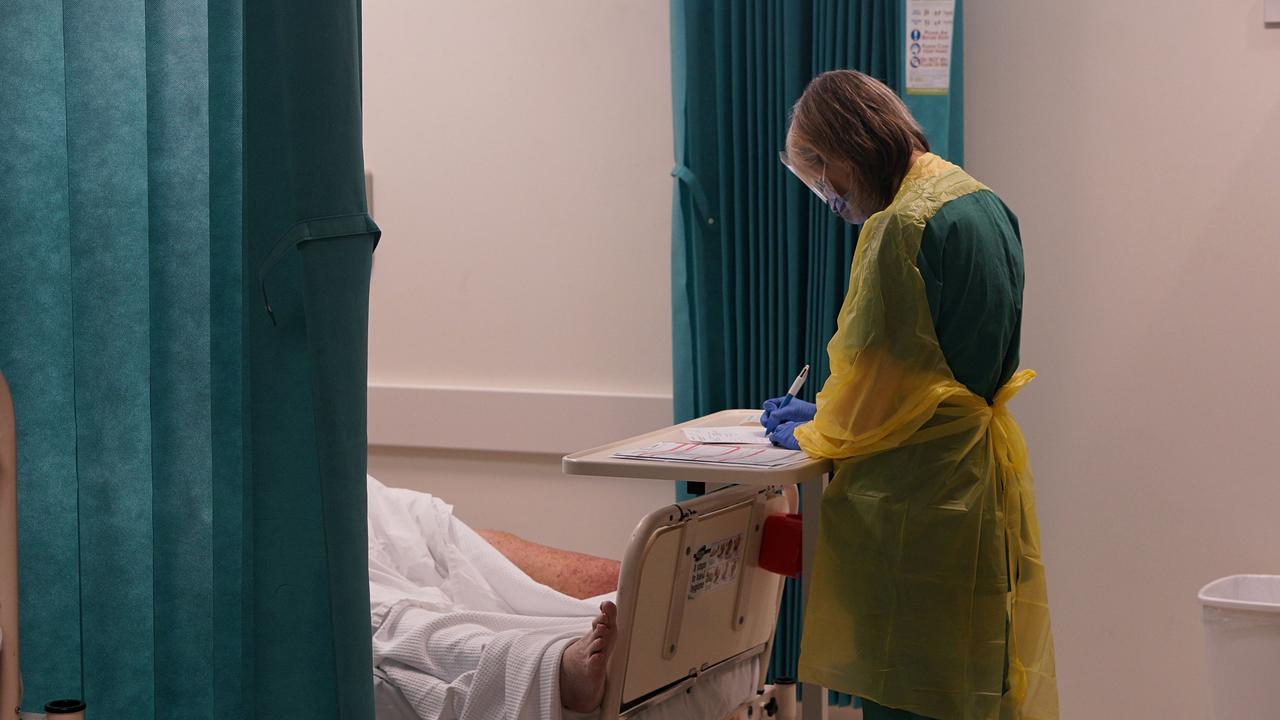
(599, 461)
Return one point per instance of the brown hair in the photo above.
(848, 116)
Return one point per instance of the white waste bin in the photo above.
(1242, 638)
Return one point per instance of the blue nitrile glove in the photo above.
(784, 436)
(795, 411)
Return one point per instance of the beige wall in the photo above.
(1137, 141)
(521, 154)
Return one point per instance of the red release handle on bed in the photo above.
(782, 545)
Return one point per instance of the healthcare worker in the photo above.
(928, 593)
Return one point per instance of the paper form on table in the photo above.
(752, 456)
(736, 434)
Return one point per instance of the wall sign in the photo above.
(929, 29)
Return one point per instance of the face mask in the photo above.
(839, 205)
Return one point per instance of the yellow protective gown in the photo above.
(928, 562)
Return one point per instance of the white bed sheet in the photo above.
(420, 555)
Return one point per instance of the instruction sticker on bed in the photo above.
(716, 565)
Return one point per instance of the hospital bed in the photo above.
(696, 616)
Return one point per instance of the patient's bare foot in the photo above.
(584, 663)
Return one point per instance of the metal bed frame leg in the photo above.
(813, 705)
(786, 697)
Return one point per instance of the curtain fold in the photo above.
(760, 267)
(191, 474)
(228, 358)
(36, 338)
(309, 245)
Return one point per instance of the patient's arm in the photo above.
(574, 574)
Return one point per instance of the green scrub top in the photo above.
(971, 262)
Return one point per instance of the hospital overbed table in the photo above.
(810, 475)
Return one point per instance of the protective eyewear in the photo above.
(825, 192)
(818, 188)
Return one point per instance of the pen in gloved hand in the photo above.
(795, 387)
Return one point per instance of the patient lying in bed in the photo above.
(479, 625)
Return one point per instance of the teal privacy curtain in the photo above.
(147, 388)
(311, 242)
(759, 266)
